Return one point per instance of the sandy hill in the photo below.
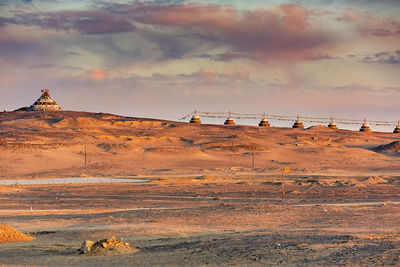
(51, 144)
(391, 147)
(9, 235)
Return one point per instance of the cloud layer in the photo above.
(285, 32)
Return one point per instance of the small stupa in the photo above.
(332, 124)
(264, 122)
(397, 129)
(229, 120)
(298, 123)
(45, 103)
(195, 119)
(365, 127)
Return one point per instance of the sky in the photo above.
(163, 59)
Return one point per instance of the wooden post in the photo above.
(286, 169)
(85, 154)
(252, 156)
(283, 184)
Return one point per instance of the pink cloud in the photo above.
(368, 24)
(285, 33)
(282, 33)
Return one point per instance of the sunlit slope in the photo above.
(50, 144)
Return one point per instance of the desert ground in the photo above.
(202, 201)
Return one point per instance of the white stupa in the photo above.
(229, 120)
(365, 127)
(45, 103)
(195, 119)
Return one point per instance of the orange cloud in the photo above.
(208, 74)
(208, 71)
(237, 75)
(97, 75)
(211, 75)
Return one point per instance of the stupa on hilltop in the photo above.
(45, 103)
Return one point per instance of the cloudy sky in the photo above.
(165, 58)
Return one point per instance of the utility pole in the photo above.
(252, 156)
(286, 169)
(283, 184)
(85, 154)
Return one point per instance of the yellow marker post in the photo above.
(286, 169)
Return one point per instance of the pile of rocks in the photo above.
(103, 246)
(9, 234)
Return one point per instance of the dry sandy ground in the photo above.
(205, 204)
(230, 221)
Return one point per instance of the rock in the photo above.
(86, 246)
(105, 246)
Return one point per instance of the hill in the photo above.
(52, 144)
(389, 148)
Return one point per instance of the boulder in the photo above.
(86, 246)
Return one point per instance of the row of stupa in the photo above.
(298, 124)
